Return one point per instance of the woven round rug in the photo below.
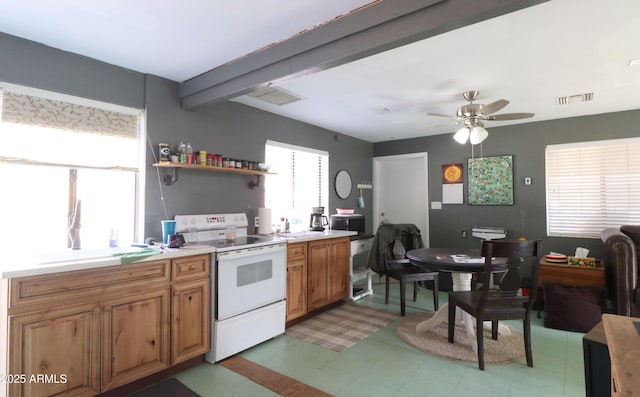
(507, 348)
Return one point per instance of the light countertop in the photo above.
(22, 265)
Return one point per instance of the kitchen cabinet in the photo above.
(296, 280)
(59, 342)
(191, 307)
(135, 337)
(327, 271)
(89, 331)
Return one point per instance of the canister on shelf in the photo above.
(203, 157)
(165, 152)
(211, 160)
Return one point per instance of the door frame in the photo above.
(377, 162)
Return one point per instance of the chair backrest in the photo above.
(523, 261)
(386, 235)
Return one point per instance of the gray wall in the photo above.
(237, 131)
(229, 128)
(526, 142)
(240, 131)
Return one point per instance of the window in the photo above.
(67, 158)
(301, 182)
(591, 186)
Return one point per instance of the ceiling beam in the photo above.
(370, 30)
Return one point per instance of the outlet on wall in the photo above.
(463, 233)
(256, 221)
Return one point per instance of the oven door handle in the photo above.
(251, 251)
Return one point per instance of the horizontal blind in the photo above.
(591, 186)
(39, 129)
(299, 183)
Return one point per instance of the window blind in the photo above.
(38, 128)
(591, 186)
(300, 181)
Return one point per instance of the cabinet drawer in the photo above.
(49, 289)
(296, 251)
(191, 267)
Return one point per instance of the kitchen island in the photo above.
(95, 325)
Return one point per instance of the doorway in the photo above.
(401, 191)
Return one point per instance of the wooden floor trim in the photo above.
(272, 380)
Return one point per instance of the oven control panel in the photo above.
(210, 221)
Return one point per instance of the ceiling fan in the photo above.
(473, 114)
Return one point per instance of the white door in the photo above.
(400, 191)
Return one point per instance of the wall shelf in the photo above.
(171, 179)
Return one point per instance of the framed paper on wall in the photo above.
(490, 180)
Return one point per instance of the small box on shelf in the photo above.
(581, 262)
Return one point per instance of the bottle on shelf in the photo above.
(182, 152)
(189, 153)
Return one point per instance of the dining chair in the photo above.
(503, 302)
(394, 240)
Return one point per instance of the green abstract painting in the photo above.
(490, 180)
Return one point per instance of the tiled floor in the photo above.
(383, 365)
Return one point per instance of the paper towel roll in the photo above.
(264, 217)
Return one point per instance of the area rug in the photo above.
(167, 388)
(341, 327)
(507, 348)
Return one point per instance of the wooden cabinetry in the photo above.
(135, 337)
(190, 308)
(339, 254)
(58, 342)
(319, 278)
(89, 331)
(296, 280)
(328, 271)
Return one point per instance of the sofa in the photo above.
(622, 246)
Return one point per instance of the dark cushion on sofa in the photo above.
(572, 308)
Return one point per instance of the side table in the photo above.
(570, 275)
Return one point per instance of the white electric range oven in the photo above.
(248, 286)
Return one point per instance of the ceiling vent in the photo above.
(274, 95)
(565, 100)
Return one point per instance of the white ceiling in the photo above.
(529, 57)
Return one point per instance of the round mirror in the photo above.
(343, 184)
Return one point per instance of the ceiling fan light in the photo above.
(477, 135)
(462, 135)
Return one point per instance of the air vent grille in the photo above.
(565, 100)
(274, 95)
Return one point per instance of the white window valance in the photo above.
(50, 113)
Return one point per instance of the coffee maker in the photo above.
(318, 220)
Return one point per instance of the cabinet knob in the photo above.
(192, 267)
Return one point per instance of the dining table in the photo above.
(461, 263)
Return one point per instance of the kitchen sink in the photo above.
(80, 255)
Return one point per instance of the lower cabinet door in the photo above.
(135, 337)
(190, 320)
(56, 352)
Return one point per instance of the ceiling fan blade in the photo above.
(441, 115)
(509, 116)
(492, 107)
